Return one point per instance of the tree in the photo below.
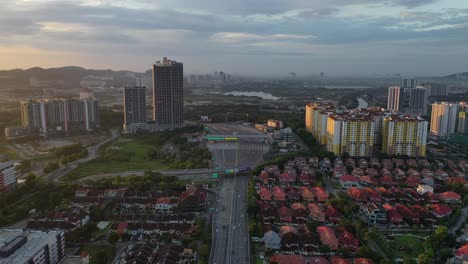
(424, 259)
(364, 252)
(204, 251)
(386, 261)
(445, 253)
(440, 234)
(101, 257)
(312, 225)
(113, 237)
(408, 260)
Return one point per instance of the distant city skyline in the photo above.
(267, 37)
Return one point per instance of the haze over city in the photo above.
(414, 37)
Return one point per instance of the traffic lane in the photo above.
(221, 249)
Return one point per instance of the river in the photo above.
(362, 103)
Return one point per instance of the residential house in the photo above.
(272, 240)
(320, 194)
(299, 212)
(348, 241)
(348, 181)
(264, 194)
(333, 215)
(306, 194)
(289, 237)
(287, 259)
(284, 214)
(450, 197)
(279, 195)
(316, 212)
(328, 237)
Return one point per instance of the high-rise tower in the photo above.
(134, 105)
(395, 97)
(168, 96)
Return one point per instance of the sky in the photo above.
(249, 37)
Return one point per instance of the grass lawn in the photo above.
(4, 150)
(415, 246)
(136, 147)
(95, 250)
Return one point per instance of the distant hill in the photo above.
(463, 75)
(64, 77)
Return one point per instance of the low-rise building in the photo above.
(37, 247)
(7, 176)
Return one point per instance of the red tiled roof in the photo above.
(449, 196)
(348, 241)
(327, 236)
(333, 214)
(287, 229)
(348, 178)
(441, 210)
(320, 193)
(265, 194)
(316, 211)
(456, 180)
(463, 251)
(287, 259)
(394, 216)
(369, 180)
(338, 260)
(284, 212)
(363, 261)
(287, 177)
(318, 260)
(122, 226)
(298, 206)
(164, 200)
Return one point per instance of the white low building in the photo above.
(422, 189)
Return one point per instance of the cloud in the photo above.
(311, 13)
(210, 32)
(242, 37)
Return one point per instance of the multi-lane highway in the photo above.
(230, 221)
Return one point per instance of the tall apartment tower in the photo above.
(408, 83)
(404, 135)
(462, 127)
(444, 119)
(395, 97)
(418, 100)
(168, 96)
(134, 105)
(351, 133)
(60, 115)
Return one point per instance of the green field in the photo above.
(122, 156)
(413, 246)
(4, 150)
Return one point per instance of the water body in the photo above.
(362, 103)
(263, 95)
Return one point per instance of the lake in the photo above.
(263, 95)
(362, 103)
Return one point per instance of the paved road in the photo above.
(230, 223)
(181, 173)
(460, 221)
